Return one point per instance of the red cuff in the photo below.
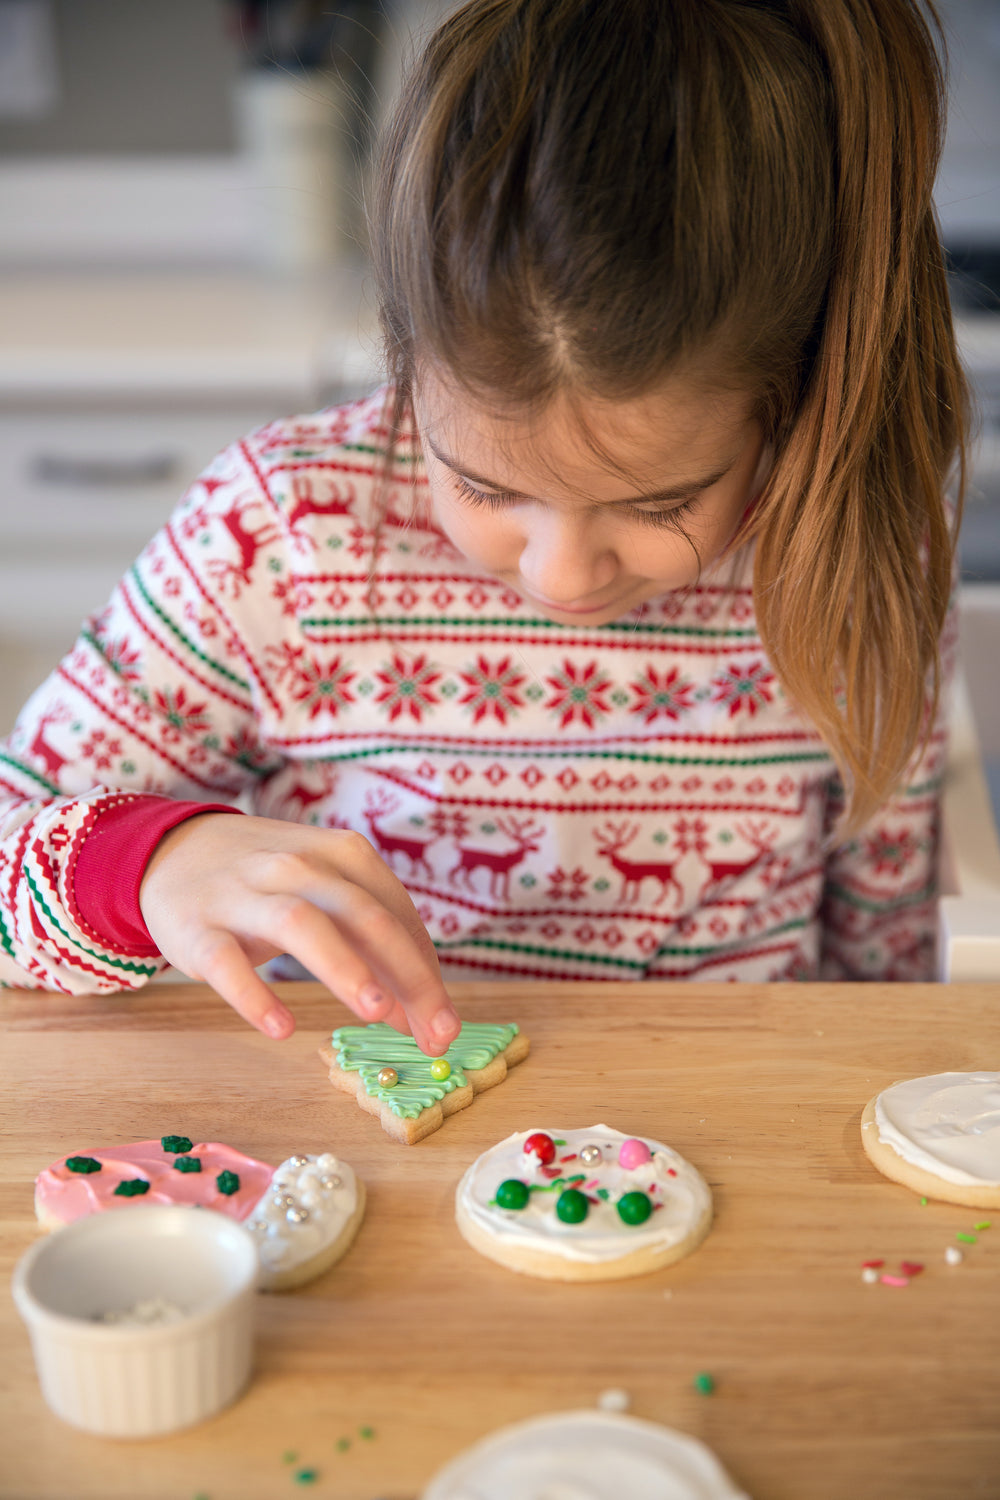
(112, 860)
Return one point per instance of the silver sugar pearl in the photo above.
(330, 1183)
(256, 1226)
(279, 1200)
(298, 1160)
(297, 1215)
(591, 1155)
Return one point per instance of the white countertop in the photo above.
(169, 336)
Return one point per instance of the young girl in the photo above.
(604, 642)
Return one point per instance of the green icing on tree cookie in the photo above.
(366, 1049)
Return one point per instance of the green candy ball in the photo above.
(512, 1194)
(634, 1208)
(572, 1206)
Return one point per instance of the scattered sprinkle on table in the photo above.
(984, 1224)
(953, 1255)
(895, 1280)
(869, 1274)
(704, 1383)
(614, 1399)
(306, 1476)
(343, 1443)
(367, 1433)
(967, 1239)
(289, 1457)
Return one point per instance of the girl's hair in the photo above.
(579, 195)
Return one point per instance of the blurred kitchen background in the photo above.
(181, 257)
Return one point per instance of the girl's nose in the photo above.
(564, 558)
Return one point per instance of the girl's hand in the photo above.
(223, 894)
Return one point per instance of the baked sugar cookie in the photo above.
(585, 1455)
(303, 1215)
(940, 1136)
(410, 1092)
(582, 1205)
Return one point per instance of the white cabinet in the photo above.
(114, 393)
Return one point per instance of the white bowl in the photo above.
(132, 1379)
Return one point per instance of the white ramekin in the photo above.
(124, 1380)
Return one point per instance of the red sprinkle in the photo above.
(910, 1267)
(895, 1280)
(873, 1263)
(671, 1172)
(551, 1171)
(570, 1157)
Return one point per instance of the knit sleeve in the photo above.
(157, 699)
(879, 912)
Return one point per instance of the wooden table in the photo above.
(826, 1387)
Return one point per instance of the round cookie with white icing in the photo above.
(303, 1215)
(582, 1205)
(584, 1455)
(940, 1136)
(306, 1220)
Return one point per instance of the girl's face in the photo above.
(587, 532)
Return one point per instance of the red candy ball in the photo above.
(541, 1146)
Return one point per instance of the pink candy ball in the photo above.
(634, 1154)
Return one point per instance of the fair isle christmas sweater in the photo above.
(636, 800)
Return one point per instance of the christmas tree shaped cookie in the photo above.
(410, 1092)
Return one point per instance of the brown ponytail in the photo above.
(580, 194)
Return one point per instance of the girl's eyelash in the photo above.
(500, 499)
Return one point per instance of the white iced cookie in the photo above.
(306, 1219)
(940, 1136)
(582, 1205)
(584, 1455)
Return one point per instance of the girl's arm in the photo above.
(880, 915)
(111, 862)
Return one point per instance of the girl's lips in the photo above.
(569, 609)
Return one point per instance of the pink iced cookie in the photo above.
(208, 1174)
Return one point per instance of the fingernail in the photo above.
(444, 1026)
(371, 1001)
(275, 1023)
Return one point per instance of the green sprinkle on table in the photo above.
(967, 1239)
(289, 1457)
(367, 1433)
(704, 1383)
(343, 1444)
(306, 1476)
(984, 1224)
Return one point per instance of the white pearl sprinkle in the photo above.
(953, 1255)
(614, 1400)
(870, 1273)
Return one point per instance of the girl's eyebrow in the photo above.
(674, 492)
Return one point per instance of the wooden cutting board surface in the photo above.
(825, 1387)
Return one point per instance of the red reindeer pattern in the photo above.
(379, 805)
(307, 504)
(759, 835)
(39, 746)
(633, 872)
(525, 835)
(248, 544)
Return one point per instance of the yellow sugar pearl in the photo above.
(388, 1077)
(440, 1069)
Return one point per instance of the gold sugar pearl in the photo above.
(388, 1078)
